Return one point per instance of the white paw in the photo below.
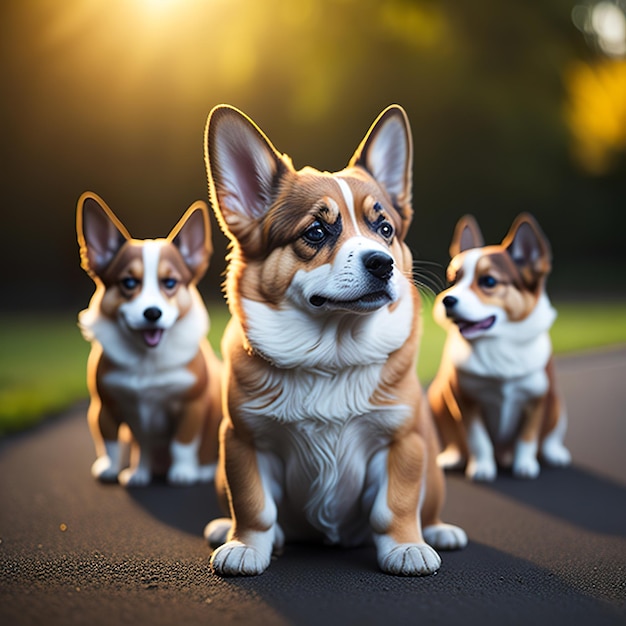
(526, 467)
(450, 458)
(238, 559)
(445, 537)
(103, 470)
(216, 531)
(410, 559)
(484, 470)
(556, 454)
(139, 477)
(182, 473)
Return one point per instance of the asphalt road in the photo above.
(551, 551)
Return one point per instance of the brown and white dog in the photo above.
(494, 398)
(327, 434)
(150, 367)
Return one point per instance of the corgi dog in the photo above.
(150, 368)
(326, 433)
(494, 397)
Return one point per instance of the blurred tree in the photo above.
(112, 95)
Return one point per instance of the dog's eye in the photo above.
(169, 283)
(385, 230)
(487, 281)
(315, 234)
(129, 283)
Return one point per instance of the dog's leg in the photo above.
(400, 546)
(525, 462)
(437, 534)
(139, 474)
(448, 414)
(253, 510)
(107, 466)
(104, 432)
(185, 466)
(553, 451)
(481, 464)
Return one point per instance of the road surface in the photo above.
(551, 551)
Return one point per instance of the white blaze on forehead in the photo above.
(151, 256)
(348, 198)
(150, 294)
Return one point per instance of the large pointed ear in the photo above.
(467, 235)
(242, 168)
(529, 248)
(192, 237)
(386, 153)
(100, 233)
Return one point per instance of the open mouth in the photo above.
(368, 302)
(152, 336)
(469, 328)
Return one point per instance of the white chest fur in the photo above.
(502, 401)
(516, 350)
(149, 397)
(501, 373)
(147, 382)
(314, 412)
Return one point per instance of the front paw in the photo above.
(451, 458)
(484, 470)
(235, 558)
(445, 537)
(139, 477)
(103, 469)
(182, 474)
(526, 467)
(216, 531)
(410, 559)
(556, 454)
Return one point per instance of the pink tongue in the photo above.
(469, 327)
(152, 336)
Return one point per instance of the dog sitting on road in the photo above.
(326, 435)
(150, 368)
(494, 398)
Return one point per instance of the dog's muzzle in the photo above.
(373, 292)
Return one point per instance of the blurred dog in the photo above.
(494, 397)
(151, 367)
(326, 435)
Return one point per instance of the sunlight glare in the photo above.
(609, 23)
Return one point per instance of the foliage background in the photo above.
(514, 106)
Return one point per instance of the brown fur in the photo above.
(193, 411)
(268, 251)
(510, 278)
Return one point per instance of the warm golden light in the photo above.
(596, 113)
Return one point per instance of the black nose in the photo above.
(449, 301)
(378, 264)
(152, 313)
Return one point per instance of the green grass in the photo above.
(43, 357)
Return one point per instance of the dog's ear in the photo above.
(192, 237)
(243, 168)
(386, 153)
(466, 235)
(529, 248)
(100, 233)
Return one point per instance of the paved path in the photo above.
(551, 552)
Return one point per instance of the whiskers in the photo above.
(428, 277)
